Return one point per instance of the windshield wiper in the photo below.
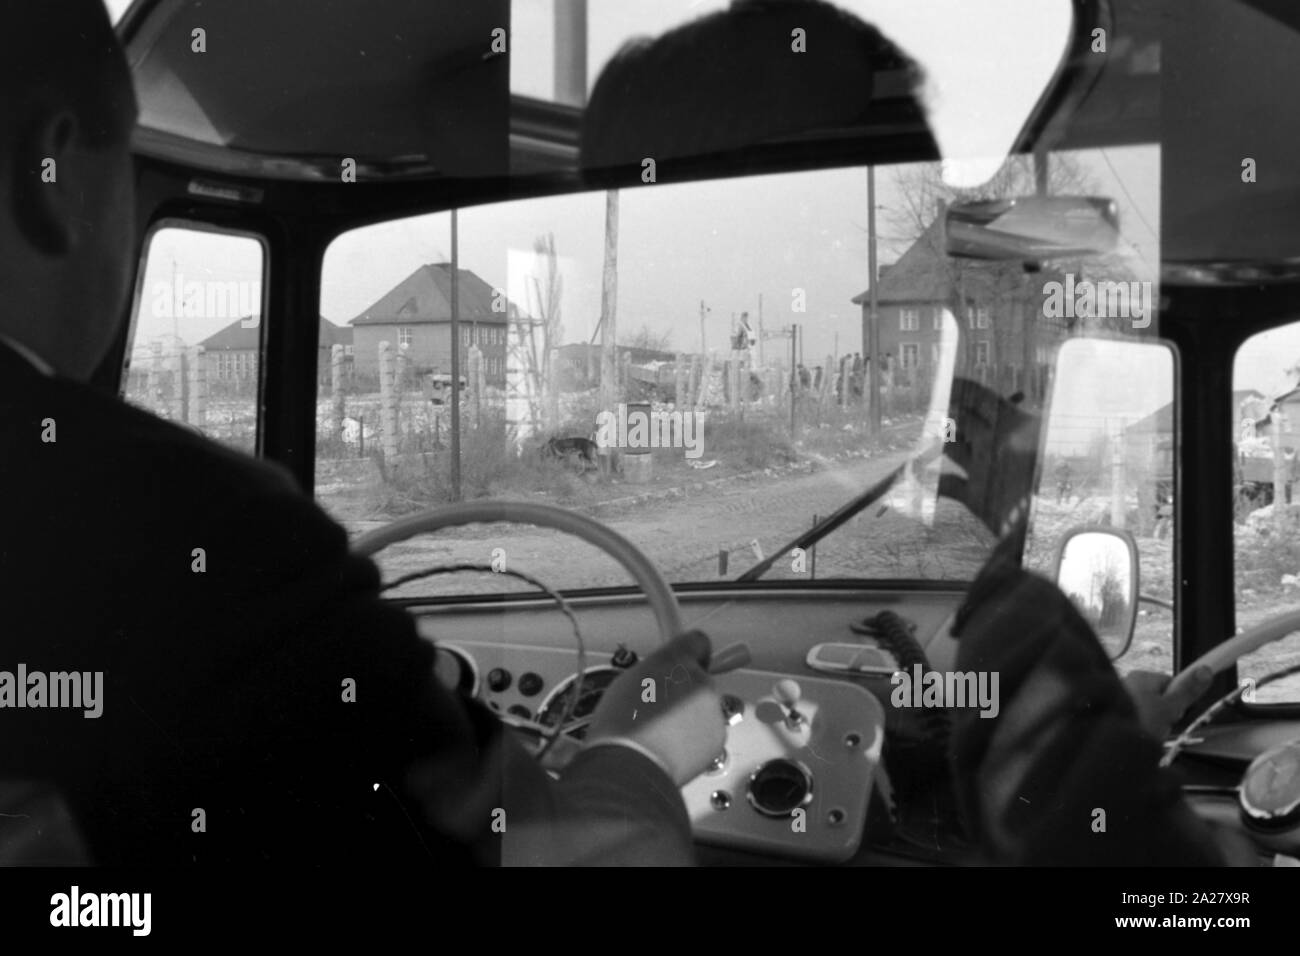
(847, 511)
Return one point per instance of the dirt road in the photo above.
(684, 536)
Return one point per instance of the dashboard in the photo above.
(805, 775)
(801, 774)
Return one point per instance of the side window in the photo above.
(1266, 500)
(194, 352)
(1109, 461)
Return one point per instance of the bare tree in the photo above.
(644, 338)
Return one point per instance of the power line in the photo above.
(1132, 204)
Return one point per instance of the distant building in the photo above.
(231, 355)
(415, 317)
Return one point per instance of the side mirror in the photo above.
(1097, 568)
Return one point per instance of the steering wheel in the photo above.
(661, 598)
(1226, 654)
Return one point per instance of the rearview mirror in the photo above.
(1097, 568)
(1032, 228)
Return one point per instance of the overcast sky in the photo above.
(723, 243)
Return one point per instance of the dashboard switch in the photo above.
(787, 693)
(624, 657)
(499, 679)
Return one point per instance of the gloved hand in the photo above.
(1157, 710)
(667, 708)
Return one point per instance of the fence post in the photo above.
(198, 387)
(176, 366)
(706, 374)
(336, 390)
(473, 358)
(1116, 479)
(553, 389)
(388, 404)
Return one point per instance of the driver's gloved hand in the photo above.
(666, 708)
(1158, 708)
(1066, 773)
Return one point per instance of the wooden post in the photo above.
(706, 375)
(454, 330)
(553, 390)
(1279, 462)
(336, 390)
(475, 383)
(388, 404)
(733, 379)
(198, 388)
(1116, 480)
(680, 378)
(609, 303)
(176, 366)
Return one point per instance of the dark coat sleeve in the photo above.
(1064, 774)
(260, 702)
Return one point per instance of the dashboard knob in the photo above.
(623, 657)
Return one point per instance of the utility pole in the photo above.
(609, 302)
(703, 310)
(455, 359)
(794, 375)
(760, 331)
(871, 335)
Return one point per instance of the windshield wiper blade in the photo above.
(863, 501)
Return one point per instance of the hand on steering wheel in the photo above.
(665, 706)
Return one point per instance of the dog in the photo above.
(581, 450)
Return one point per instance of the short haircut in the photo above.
(63, 54)
(728, 79)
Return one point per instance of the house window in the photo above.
(404, 336)
(347, 350)
(909, 355)
(908, 320)
(982, 317)
(934, 353)
(938, 320)
(981, 353)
